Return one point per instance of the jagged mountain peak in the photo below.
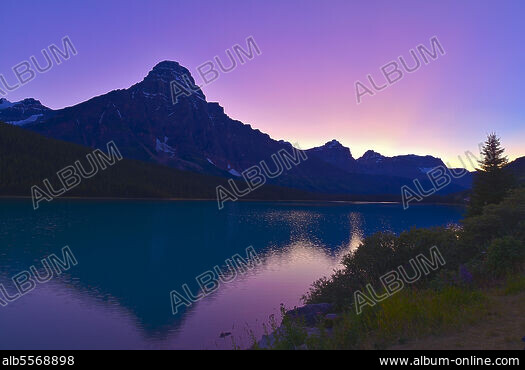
(336, 154)
(4, 103)
(27, 102)
(167, 77)
(333, 144)
(332, 147)
(169, 68)
(370, 155)
(23, 112)
(30, 101)
(168, 64)
(408, 165)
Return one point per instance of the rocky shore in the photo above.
(308, 318)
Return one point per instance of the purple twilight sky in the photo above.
(302, 87)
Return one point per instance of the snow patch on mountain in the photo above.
(164, 147)
(234, 172)
(30, 119)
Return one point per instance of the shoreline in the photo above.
(386, 202)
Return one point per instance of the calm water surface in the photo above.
(132, 254)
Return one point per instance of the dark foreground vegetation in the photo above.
(484, 258)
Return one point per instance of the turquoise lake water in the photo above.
(132, 254)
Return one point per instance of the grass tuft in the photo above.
(514, 285)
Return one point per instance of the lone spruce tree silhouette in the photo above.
(491, 181)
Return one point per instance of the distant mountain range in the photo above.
(197, 136)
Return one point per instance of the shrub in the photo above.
(514, 285)
(379, 254)
(505, 255)
(497, 220)
(383, 252)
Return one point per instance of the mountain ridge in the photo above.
(198, 136)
